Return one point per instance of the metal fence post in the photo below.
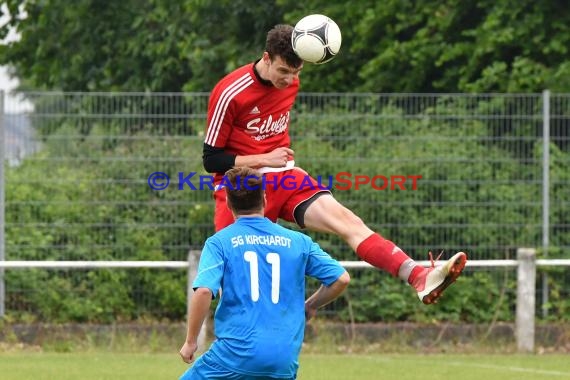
(2, 208)
(193, 260)
(526, 294)
(545, 192)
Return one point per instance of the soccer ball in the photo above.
(316, 38)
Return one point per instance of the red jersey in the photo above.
(247, 116)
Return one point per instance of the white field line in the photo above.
(512, 369)
(486, 366)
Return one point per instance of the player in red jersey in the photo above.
(248, 125)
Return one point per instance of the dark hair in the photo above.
(245, 193)
(278, 43)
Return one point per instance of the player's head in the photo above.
(278, 44)
(245, 195)
(283, 65)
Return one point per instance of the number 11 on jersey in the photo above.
(273, 260)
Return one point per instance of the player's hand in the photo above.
(187, 352)
(309, 312)
(278, 157)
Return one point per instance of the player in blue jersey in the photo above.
(261, 266)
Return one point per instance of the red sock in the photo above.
(417, 270)
(382, 254)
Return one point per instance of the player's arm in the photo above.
(325, 295)
(333, 277)
(197, 313)
(217, 160)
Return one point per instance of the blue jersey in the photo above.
(260, 319)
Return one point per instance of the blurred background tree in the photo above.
(388, 46)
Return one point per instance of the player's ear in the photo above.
(264, 200)
(266, 58)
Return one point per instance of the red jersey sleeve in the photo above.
(222, 110)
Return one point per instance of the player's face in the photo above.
(281, 74)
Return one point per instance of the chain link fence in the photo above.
(77, 170)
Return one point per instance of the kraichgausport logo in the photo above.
(340, 181)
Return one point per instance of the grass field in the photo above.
(139, 366)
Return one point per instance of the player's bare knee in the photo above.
(348, 225)
(352, 220)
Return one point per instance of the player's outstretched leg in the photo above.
(431, 283)
(428, 282)
(326, 214)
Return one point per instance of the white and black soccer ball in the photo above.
(316, 38)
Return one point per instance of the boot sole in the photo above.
(454, 272)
